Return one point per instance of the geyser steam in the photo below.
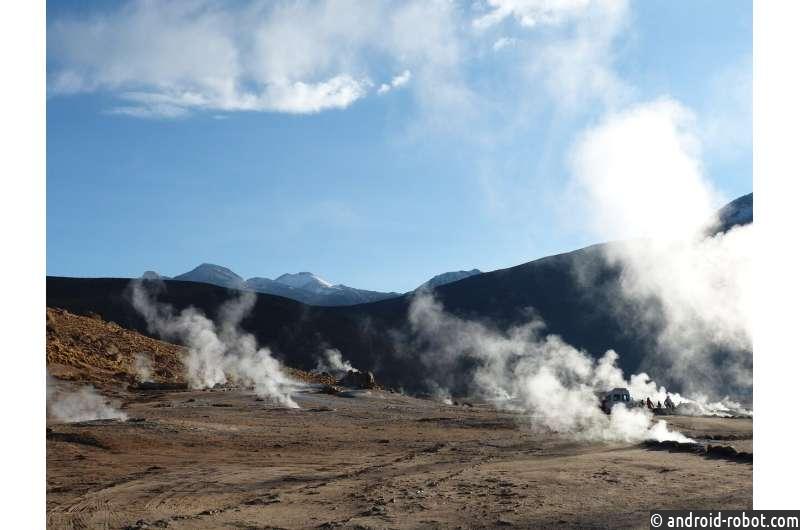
(639, 173)
(143, 365)
(541, 375)
(70, 405)
(333, 363)
(219, 352)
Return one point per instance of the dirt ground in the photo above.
(369, 459)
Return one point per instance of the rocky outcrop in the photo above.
(358, 379)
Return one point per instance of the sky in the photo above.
(376, 143)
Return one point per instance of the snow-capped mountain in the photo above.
(213, 274)
(269, 286)
(308, 281)
(448, 277)
(309, 288)
(304, 287)
(323, 292)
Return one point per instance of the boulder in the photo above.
(358, 379)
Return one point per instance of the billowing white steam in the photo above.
(639, 174)
(552, 381)
(219, 352)
(70, 405)
(333, 363)
(143, 365)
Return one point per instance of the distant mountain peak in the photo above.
(303, 280)
(215, 267)
(213, 274)
(448, 277)
(736, 213)
(303, 286)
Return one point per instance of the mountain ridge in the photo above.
(305, 287)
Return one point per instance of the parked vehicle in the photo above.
(616, 396)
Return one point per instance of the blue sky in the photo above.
(375, 144)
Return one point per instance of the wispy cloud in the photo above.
(397, 81)
(530, 13)
(576, 62)
(168, 59)
(727, 112)
(503, 42)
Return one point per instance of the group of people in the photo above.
(668, 404)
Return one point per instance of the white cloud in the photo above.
(530, 13)
(575, 59)
(168, 59)
(401, 79)
(298, 97)
(397, 81)
(579, 65)
(503, 42)
(293, 98)
(150, 111)
(727, 112)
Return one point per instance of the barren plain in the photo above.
(224, 458)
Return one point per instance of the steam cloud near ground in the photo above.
(219, 352)
(68, 404)
(522, 368)
(143, 365)
(333, 363)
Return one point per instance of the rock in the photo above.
(76, 438)
(729, 453)
(263, 501)
(330, 389)
(358, 379)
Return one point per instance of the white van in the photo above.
(614, 397)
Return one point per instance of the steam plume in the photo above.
(71, 405)
(143, 365)
(540, 374)
(333, 363)
(219, 352)
(639, 173)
